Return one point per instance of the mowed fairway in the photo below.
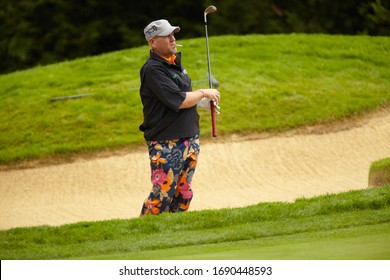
(357, 243)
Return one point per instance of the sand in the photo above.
(233, 171)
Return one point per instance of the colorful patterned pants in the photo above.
(173, 164)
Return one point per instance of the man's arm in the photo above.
(193, 97)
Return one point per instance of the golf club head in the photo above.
(214, 81)
(210, 9)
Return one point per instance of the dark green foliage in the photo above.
(47, 31)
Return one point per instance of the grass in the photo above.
(379, 165)
(353, 243)
(325, 227)
(379, 173)
(284, 81)
(268, 83)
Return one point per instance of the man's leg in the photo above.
(171, 162)
(183, 193)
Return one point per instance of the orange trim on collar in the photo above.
(171, 59)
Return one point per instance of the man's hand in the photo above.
(205, 105)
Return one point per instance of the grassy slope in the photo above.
(284, 81)
(382, 164)
(352, 225)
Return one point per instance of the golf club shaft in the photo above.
(212, 109)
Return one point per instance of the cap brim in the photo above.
(170, 30)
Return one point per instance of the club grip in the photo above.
(213, 122)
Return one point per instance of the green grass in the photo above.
(353, 243)
(351, 225)
(379, 173)
(268, 83)
(381, 165)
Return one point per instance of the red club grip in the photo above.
(213, 122)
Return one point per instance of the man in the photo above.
(171, 121)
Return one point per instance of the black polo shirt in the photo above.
(163, 90)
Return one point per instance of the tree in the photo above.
(47, 31)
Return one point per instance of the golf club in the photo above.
(210, 9)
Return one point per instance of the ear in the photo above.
(152, 43)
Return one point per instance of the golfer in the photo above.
(171, 121)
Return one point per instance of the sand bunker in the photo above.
(232, 172)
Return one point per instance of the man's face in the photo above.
(164, 46)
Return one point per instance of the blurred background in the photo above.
(40, 32)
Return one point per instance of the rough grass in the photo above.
(268, 83)
(379, 173)
(306, 221)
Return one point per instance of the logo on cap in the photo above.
(151, 30)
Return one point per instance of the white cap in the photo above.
(159, 27)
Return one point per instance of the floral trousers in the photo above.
(173, 164)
